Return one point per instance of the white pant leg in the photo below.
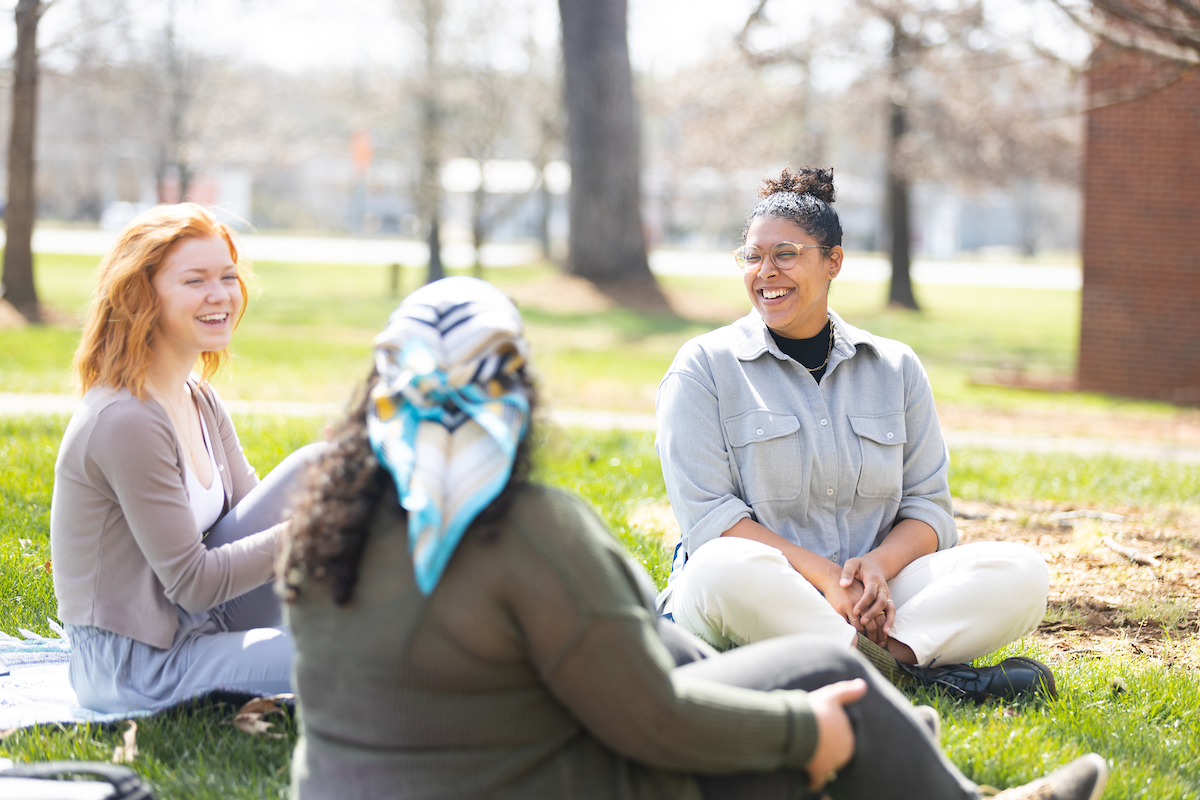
(959, 604)
(734, 591)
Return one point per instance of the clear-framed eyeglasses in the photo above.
(784, 255)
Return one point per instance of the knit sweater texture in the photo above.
(533, 670)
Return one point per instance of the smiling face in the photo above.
(793, 302)
(199, 298)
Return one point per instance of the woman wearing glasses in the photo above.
(804, 462)
(463, 632)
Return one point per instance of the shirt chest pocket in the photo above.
(766, 449)
(881, 440)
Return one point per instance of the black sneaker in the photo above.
(1011, 678)
(1082, 779)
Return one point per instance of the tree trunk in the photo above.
(436, 270)
(172, 153)
(900, 289)
(478, 224)
(545, 199)
(607, 244)
(429, 192)
(19, 288)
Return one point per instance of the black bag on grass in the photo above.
(52, 780)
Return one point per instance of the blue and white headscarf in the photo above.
(447, 415)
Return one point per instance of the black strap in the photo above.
(125, 782)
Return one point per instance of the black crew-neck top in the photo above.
(811, 353)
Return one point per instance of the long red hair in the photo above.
(123, 316)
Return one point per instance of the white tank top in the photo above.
(206, 503)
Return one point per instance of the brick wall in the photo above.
(1140, 329)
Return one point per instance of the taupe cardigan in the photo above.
(123, 539)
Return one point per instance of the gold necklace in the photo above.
(828, 352)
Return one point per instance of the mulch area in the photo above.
(1122, 580)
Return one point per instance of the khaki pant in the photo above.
(951, 606)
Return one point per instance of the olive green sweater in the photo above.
(532, 671)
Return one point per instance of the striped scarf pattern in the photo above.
(448, 413)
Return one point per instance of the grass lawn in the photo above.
(308, 330)
(307, 337)
(1149, 729)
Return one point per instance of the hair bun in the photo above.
(807, 180)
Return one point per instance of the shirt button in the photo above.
(760, 431)
(891, 435)
(824, 422)
(829, 492)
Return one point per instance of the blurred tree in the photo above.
(427, 17)
(19, 287)
(1168, 30)
(607, 242)
(493, 112)
(957, 98)
(175, 78)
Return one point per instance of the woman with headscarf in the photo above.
(463, 633)
(803, 459)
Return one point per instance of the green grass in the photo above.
(308, 329)
(307, 337)
(1149, 731)
(1143, 717)
(1001, 477)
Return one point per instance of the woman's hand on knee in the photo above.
(835, 736)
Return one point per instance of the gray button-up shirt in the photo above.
(745, 431)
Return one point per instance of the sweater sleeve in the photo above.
(135, 454)
(611, 670)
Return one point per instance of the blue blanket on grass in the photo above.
(34, 687)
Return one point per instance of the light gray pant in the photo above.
(239, 646)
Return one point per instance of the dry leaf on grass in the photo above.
(126, 753)
(251, 717)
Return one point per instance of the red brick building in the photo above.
(1140, 329)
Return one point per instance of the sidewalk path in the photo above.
(18, 404)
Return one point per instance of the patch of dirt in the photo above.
(569, 294)
(561, 294)
(1181, 426)
(11, 318)
(1101, 602)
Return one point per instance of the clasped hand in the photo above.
(862, 598)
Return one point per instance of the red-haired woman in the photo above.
(162, 537)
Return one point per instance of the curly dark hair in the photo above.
(806, 198)
(344, 488)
